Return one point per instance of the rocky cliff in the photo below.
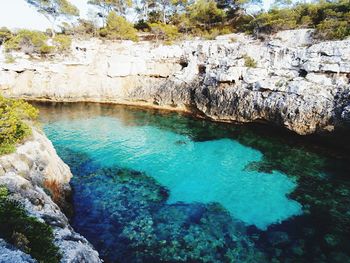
(287, 79)
(33, 175)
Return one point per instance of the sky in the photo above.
(18, 14)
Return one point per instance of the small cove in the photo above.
(150, 186)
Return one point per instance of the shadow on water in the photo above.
(127, 225)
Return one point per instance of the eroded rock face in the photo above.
(295, 83)
(10, 254)
(25, 174)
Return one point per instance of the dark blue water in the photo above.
(151, 187)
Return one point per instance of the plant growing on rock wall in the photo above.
(249, 62)
(26, 232)
(13, 126)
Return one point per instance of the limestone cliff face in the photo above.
(35, 166)
(296, 83)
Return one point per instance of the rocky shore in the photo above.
(34, 176)
(288, 79)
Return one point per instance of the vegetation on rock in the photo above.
(209, 18)
(179, 19)
(118, 28)
(249, 62)
(36, 42)
(26, 232)
(164, 31)
(13, 126)
(331, 19)
(62, 42)
(108, 6)
(27, 41)
(5, 34)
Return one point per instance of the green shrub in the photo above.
(119, 28)
(27, 41)
(249, 62)
(333, 29)
(330, 19)
(5, 34)
(35, 42)
(210, 35)
(84, 28)
(26, 232)
(164, 31)
(9, 58)
(45, 49)
(62, 43)
(103, 32)
(142, 26)
(205, 13)
(13, 126)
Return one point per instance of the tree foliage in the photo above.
(107, 6)
(170, 19)
(330, 19)
(53, 9)
(205, 13)
(118, 28)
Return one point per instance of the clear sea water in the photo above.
(151, 186)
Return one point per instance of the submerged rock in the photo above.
(125, 215)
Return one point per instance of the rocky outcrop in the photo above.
(288, 79)
(9, 253)
(31, 175)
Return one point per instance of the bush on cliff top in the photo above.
(26, 232)
(13, 126)
(36, 42)
(62, 42)
(164, 32)
(5, 34)
(330, 19)
(27, 41)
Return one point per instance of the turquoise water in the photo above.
(150, 186)
(209, 171)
